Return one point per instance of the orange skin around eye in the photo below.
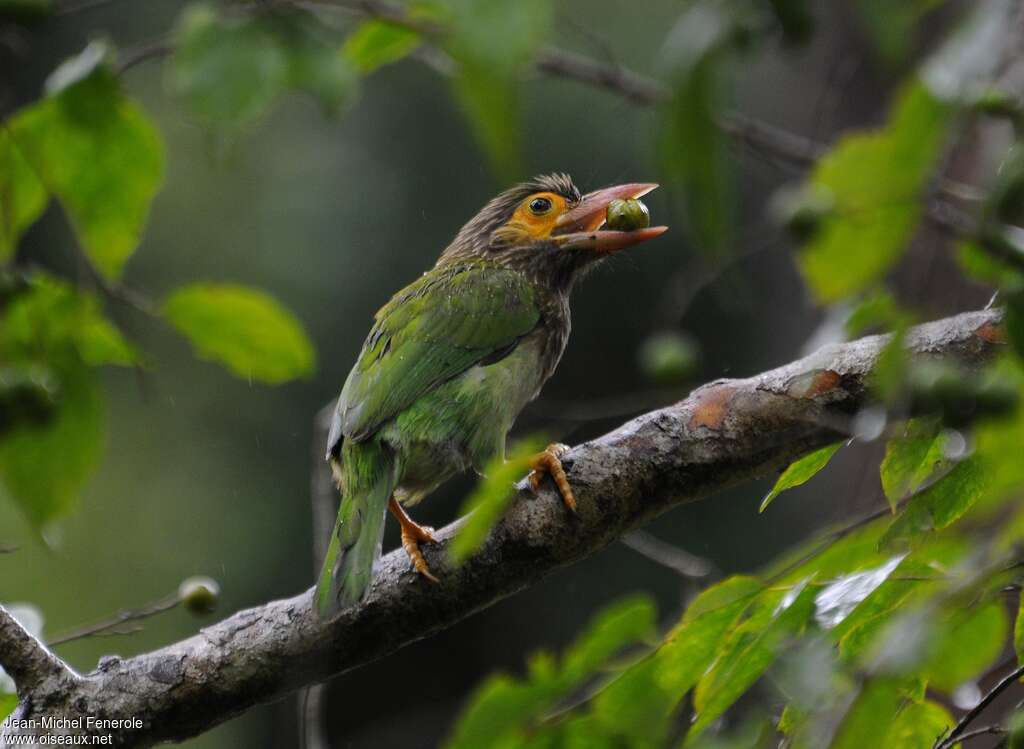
(525, 224)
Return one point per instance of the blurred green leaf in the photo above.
(492, 43)
(51, 315)
(638, 705)
(800, 472)
(231, 69)
(911, 458)
(876, 180)
(504, 707)
(981, 266)
(228, 71)
(69, 447)
(99, 154)
(316, 64)
(870, 717)
(1014, 320)
(375, 44)
(22, 195)
(749, 649)
(949, 663)
(891, 25)
(485, 506)
(878, 310)
(938, 506)
(242, 328)
(917, 724)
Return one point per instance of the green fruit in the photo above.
(199, 595)
(627, 215)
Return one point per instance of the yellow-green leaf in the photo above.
(800, 472)
(911, 458)
(242, 328)
(876, 180)
(101, 156)
(487, 503)
(375, 44)
(22, 195)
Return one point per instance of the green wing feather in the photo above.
(436, 328)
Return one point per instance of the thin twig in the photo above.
(986, 731)
(958, 731)
(105, 626)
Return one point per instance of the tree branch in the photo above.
(725, 433)
(27, 660)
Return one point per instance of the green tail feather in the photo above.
(369, 473)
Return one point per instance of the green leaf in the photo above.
(245, 329)
(800, 472)
(227, 71)
(100, 155)
(749, 649)
(503, 707)
(917, 724)
(638, 705)
(315, 64)
(492, 42)
(949, 663)
(69, 447)
(622, 624)
(375, 44)
(981, 266)
(876, 180)
(868, 720)
(911, 458)
(692, 145)
(487, 503)
(891, 26)
(52, 315)
(938, 506)
(22, 195)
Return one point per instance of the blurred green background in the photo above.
(207, 474)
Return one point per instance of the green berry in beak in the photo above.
(627, 215)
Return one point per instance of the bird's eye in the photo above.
(540, 206)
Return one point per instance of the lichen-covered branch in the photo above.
(723, 434)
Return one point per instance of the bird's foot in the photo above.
(413, 535)
(549, 462)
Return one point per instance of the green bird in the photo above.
(450, 362)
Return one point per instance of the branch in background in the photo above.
(34, 669)
(111, 624)
(680, 561)
(958, 731)
(722, 435)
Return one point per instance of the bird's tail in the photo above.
(367, 473)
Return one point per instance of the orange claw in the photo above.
(413, 535)
(549, 462)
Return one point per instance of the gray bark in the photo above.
(725, 433)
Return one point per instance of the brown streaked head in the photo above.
(546, 225)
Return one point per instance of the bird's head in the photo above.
(545, 226)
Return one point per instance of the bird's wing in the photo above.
(434, 329)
